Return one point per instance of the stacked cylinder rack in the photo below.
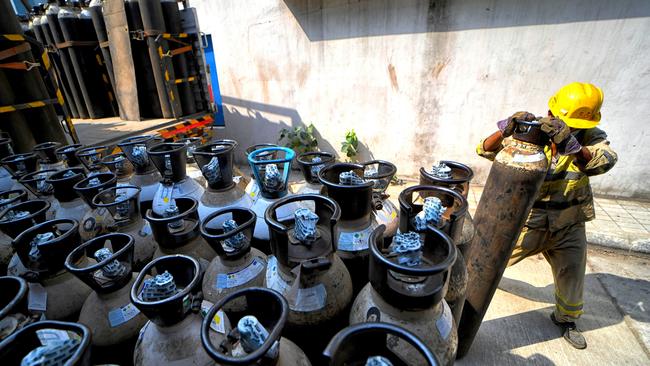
(29, 102)
(58, 63)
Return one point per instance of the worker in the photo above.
(556, 224)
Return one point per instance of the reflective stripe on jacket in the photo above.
(565, 197)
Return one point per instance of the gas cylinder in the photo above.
(146, 175)
(76, 26)
(97, 76)
(108, 312)
(370, 344)
(19, 165)
(457, 176)
(168, 292)
(14, 220)
(44, 35)
(177, 231)
(42, 249)
(12, 197)
(256, 339)
(6, 179)
(37, 185)
(91, 157)
(511, 188)
(193, 171)
(306, 270)
(48, 342)
(119, 165)
(170, 160)
(68, 154)
(272, 178)
(446, 210)
(49, 159)
(408, 280)
(310, 164)
(95, 220)
(71, 206)
(344, 184)
(14, 314)
(215, 161)
(50, 22)
(236, 265)
(95, 8)
(252, 188)
(122, 204)
(184, 63)
(381, 173)
(35, 23)
(9, 199)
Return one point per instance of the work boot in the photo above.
(571, 333)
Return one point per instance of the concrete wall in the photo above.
(421, 81)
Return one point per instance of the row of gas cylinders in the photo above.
(78, 34)
(181, 263)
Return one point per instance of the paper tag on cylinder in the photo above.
(528, 158)
(355, 241)
(254, 191)
(445, 321)
(217, 324)
(37, 298)
(309, 299)
(234, 279)
(121, 315)
(273, 279)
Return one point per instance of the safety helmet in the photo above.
(577, 104)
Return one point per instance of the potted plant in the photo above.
(350, 145)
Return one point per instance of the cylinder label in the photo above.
(355, 241)
(121, 315)
(273, 279)
(217, 323)
(525, 158)
(234, 279)
(254, 191)
(445, 321)
(309, 299)
(386, 214)
(37, 297)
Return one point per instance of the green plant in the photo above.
(350, 145)
(299, 139)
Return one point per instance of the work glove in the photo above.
(560, 134)
(507, 126)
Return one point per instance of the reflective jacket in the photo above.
(565, 197)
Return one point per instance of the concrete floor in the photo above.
(517, 330)
(106, 130)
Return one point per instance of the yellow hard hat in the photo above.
(577, 104)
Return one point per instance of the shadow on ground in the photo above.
(521, 326)
(632, 297)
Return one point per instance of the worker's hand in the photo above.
(561, 136)
(555, 128)
(507, 126)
